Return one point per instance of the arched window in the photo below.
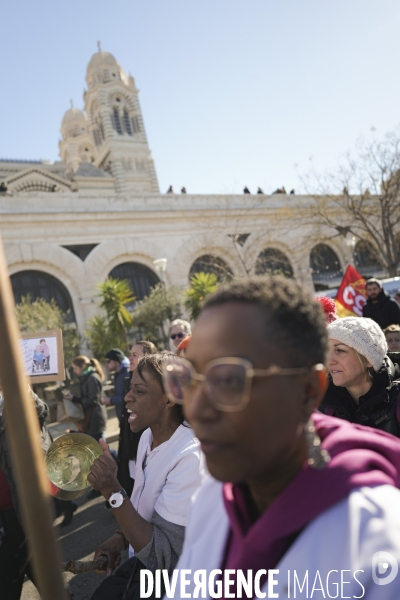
(127, 123)
(101, 129)
(116, 121)
(123, 121)
(98, 130)
(136, 124)
(208, 263)
(37, 186)
(365, 257)
(96, 137)
(38, 284)
(325, 265)
(140, 277)
(272, 261)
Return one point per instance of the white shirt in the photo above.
(343, 538)
(132, 468)
(167, 477)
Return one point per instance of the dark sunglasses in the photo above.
(177, 335)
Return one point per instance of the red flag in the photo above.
(351, 294)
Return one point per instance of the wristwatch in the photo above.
(116, 499)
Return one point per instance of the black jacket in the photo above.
(5, 458)
(385, 312)
(377, 408)
(117, 399)
(91, 388)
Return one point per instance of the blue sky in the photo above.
(233, 92)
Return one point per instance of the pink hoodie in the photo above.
(360, 456)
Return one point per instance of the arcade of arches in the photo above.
(324, 263)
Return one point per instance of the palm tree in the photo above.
(201, 285)
(116, 295)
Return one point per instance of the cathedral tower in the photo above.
(114, 123)
(77, 144)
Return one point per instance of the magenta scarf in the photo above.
(360, 456)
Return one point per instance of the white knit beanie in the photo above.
(364, 335)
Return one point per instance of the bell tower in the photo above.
(116, 125)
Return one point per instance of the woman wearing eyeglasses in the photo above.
(292, 490)
(168, 472)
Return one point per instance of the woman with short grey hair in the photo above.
(178, 331)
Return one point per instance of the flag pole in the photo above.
(22, 432)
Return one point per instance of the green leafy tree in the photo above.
(100, 338)
(40, 315)
(201, 285)
(110, 329)
(153, 314)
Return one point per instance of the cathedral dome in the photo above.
(100, 60)
(103, 68)
(74, 123)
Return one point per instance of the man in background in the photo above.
(117, 363)
(380, 307)
(396, 298)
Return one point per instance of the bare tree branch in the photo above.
(361, 198)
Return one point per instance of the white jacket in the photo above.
(334, 548)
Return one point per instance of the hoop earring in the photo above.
(317, 457)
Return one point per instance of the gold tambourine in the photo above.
(68, 462)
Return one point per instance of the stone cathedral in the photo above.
(98, 211)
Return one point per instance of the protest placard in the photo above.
(43, 356)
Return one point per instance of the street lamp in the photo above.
(350, 241)
(161, 266)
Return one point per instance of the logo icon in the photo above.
(384, 568)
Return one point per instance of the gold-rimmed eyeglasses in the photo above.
(227, 381)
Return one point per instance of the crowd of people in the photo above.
(264, 441)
